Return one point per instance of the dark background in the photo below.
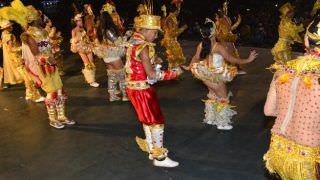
(258, 28)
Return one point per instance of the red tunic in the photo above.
(142, 96)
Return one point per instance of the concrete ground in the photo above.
(102, 145)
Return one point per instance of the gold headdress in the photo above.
(108, 8)
(286, 8)
(148, 20)
(19, 13)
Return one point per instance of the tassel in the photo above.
(307, 81)
(284, 78)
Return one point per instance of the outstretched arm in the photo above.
(196, 58)
(152, 73)
(233, 60)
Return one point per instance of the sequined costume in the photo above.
(39, 60)
(11, 75)
(15, 56)
(56, 40)
(293, 98)
(288, 35)
(111, 52)
(225, 28)
(143, 96)
(172, 31)
(218, 111)
(81, 44)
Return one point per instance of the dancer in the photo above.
(293, 98)
(110, 7)
(11, 75)
(13, 58)
(172, 31)
(81, 44)
(39, 60)
(111, 48)
(211, 64)
(56, 40)
(142, 71)
(288, 34)
(225, 34)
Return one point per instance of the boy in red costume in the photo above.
(142, 71)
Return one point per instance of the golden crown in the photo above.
(148, 20)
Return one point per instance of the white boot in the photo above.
(94, 84)
(167, 162)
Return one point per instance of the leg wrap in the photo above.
(159, 152)
(123, 84)
(32, 93)
(113, 84)
(61, 107)
(51, 107)
(146, 144)
(89, 73)
(218, 111)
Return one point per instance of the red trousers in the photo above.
(145, 102)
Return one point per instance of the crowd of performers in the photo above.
(38, 62)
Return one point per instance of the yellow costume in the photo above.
(225, 28)
(172, 31)
(11, 75)
(13, 52)
(39, 61)
(288, 35)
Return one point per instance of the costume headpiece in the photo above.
(286, 8)
(108, 7)
(212, 29)
(177, 2)
(19, 13)
(148, 20)
(78, 17)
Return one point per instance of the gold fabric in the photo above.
(292, 161)
(288, 35)
(11, 75)
(148, 22)
(172, 31)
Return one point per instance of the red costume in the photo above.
(141, 94)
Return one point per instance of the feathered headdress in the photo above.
(108, 7)
(212, 29)
(19, 13)
(148, 20)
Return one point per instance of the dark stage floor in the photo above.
(102, 145)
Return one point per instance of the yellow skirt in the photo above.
(51, 83)
(292, 161)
